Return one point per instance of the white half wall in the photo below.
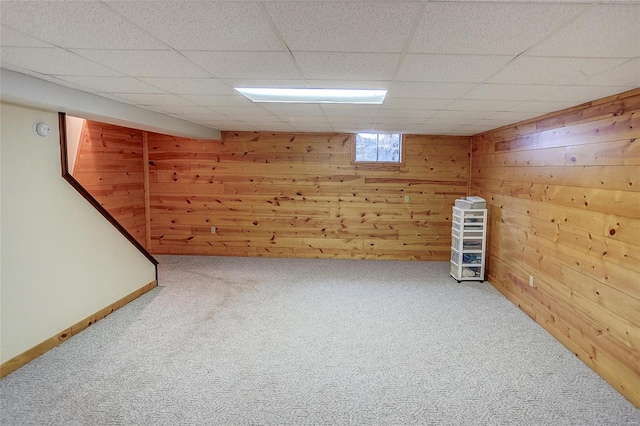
(61, 260)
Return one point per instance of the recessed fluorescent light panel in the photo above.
(313, 96)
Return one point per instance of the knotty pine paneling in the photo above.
(300, 195)
(109, 164)
(563, 194)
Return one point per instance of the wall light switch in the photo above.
(213, 229)
(530, 280)
(406, 198)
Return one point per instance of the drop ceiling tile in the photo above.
(450, 68)
(399, 128)
(510, 92)
(400, 113)
(348, 84)
(261, 82)
(414, 103)
(153, 99)
(513, 116)
(77, 24)
(297, 110)
(347, 66)
(53, 61)
(303, 119)
(253, 65)
(425, 90)
(391, 121)
(14, 38)
(448, 122)
(255, 118)
(219, 101)
(542, 107)
(184, 110)
(627, 74)
(482, 105)
(317, 128)
(465, 115)
(611, 30)
(243, 111)
(552, 71)
(145, 63)
(343, 26)
(199, 117)
(112, 84)
(349, 110)
(268, 127)
(334, 119)
(191, 86)
(581, 94)
(472, 28)
(203, 25)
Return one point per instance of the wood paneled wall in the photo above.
(110, 165)
(299, 195)
(564, 199)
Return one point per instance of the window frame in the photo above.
(400, 161)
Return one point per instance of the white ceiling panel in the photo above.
(219, 101)
(580, 94)
(510, 92)
(298, 110)
(191, 86)
(512, 116)
(460, 114)
(53, 61)
(253, 65)
(417, 113)
(145, 63)
(426, 90)
(243, 111)
(627, 74)
(347, 66)
(552, 71)
(344, 27)
(482, 105)
(154, 99)
(482, 28)
(451, 68)
(187, 110)
(202, 25)
(77, 24)
(113, 84)
(415, 103)
(14, 38)
(603, 31)
(541, 107)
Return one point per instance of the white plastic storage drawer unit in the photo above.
(468, 243)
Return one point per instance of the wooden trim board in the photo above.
(31, 354)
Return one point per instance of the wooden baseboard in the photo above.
(31, 354)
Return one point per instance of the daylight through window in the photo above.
(378, 147)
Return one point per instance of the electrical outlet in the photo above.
(213, 229)
(406, 198)
(530, 280)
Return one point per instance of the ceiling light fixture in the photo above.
(314, 96)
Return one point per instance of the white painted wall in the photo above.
(61, 261)
(74, 130)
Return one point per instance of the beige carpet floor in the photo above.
(237, 341)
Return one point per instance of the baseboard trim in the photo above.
(18, 361)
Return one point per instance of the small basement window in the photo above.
(378, 147)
